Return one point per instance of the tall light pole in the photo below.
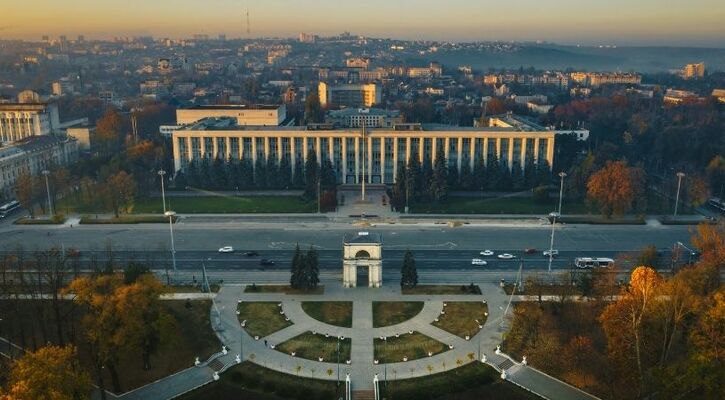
(553, 216)
(171, 216)
(163, 193)
(680, 175)
(319, 180)
(47, 189)
(562, 175)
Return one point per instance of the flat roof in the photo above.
(363, 238)
(233, 107)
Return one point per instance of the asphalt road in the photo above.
(434, 246)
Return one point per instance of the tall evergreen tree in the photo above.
(312, 173)
(205, 174)
(312, 269)
(398, 191)
(493, 170)
(454, 181)
(467, 181)
(218, 174)
(260, 174)
(327, 174)
(298, 180)
(246, 174)
(426, 179)
(296, 272)
(479, 175)
(413, 176)
(272, 172)
(439, 182)
(285, 173)
(408, 273)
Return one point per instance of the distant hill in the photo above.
(641, 59)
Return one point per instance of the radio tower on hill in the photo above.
(249, 29)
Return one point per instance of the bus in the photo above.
(8, 208)
(596, 262)
(717, 203)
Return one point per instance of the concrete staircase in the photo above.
(363, 395)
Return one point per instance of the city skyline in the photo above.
(648, 22)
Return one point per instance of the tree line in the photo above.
(654, 336)
(433, 181)
(113, 313)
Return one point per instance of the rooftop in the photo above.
(234, 107)
(363, 238)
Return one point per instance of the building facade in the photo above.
(373, 156)
(260, 115)
(31, 156)
(21, 120)
(693, 71)
(371, 117)
(349, 95)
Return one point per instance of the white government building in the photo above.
(380, 150)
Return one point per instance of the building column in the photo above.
(228, 148)
(472, 157)
(266, 149)
(536, 150)
(395, 158)
(382, 160)
(550, 151)
(498, 149)
(202, 145)
(318, 150)
(421, 149)
(357, 160)
(485, 151)
(279, 150)
(241, 148)
(511, 154)
(177, 156)
(304, 149)
(447, 150)
(215, 147)
(344, 160)
(254, 152)
(370, 159)
(523, 153)
(434, 150)
(460, 154)
(331, 150)
(292, 155)
(407, 150)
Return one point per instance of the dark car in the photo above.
(530, 251)
(251, 254)
(266, 262)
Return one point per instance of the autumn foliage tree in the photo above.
(119, 192)
(615, 188)
(50, 373)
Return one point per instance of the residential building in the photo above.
(596, 79)
(384, 149)
(307, 38)
(693, 71)
(358, 62)
(372, 117)
(350, 95)
(85, 135)
(719, 94)
(28, 96)
(31, 156)
(259, 115)
(524, 124)
(677, 96)
(21, 120)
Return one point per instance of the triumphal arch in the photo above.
(362, 252)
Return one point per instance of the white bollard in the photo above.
(197, 362)
(216, 376)
(484, 359)
(503, 375)
(498, 350)
(238, 359)
(523, 361)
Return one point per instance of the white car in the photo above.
(553, 253)
(487, 253)
(226, 249)
(506, 256)
(478, 261)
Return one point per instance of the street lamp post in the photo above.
(163, 193)
(47, 189)
(562, 175)
(171, 215)
(338, 361)
(680, 175)
(319, 180)
(553, 216)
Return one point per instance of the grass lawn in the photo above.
(228, 204)
(286, 289)
(386, 313)
(125, 219)
(311, 346)
(413, 346)
(263, 318)
(460, 317)
(192, 337)
(442, 289)
(338, 313)
(58, 219)
(497, 205)
(249, 381)
(474, 381)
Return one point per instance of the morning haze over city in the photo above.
(338, 200)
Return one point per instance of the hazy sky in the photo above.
(658, 22)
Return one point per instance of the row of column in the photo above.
(549, 156)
